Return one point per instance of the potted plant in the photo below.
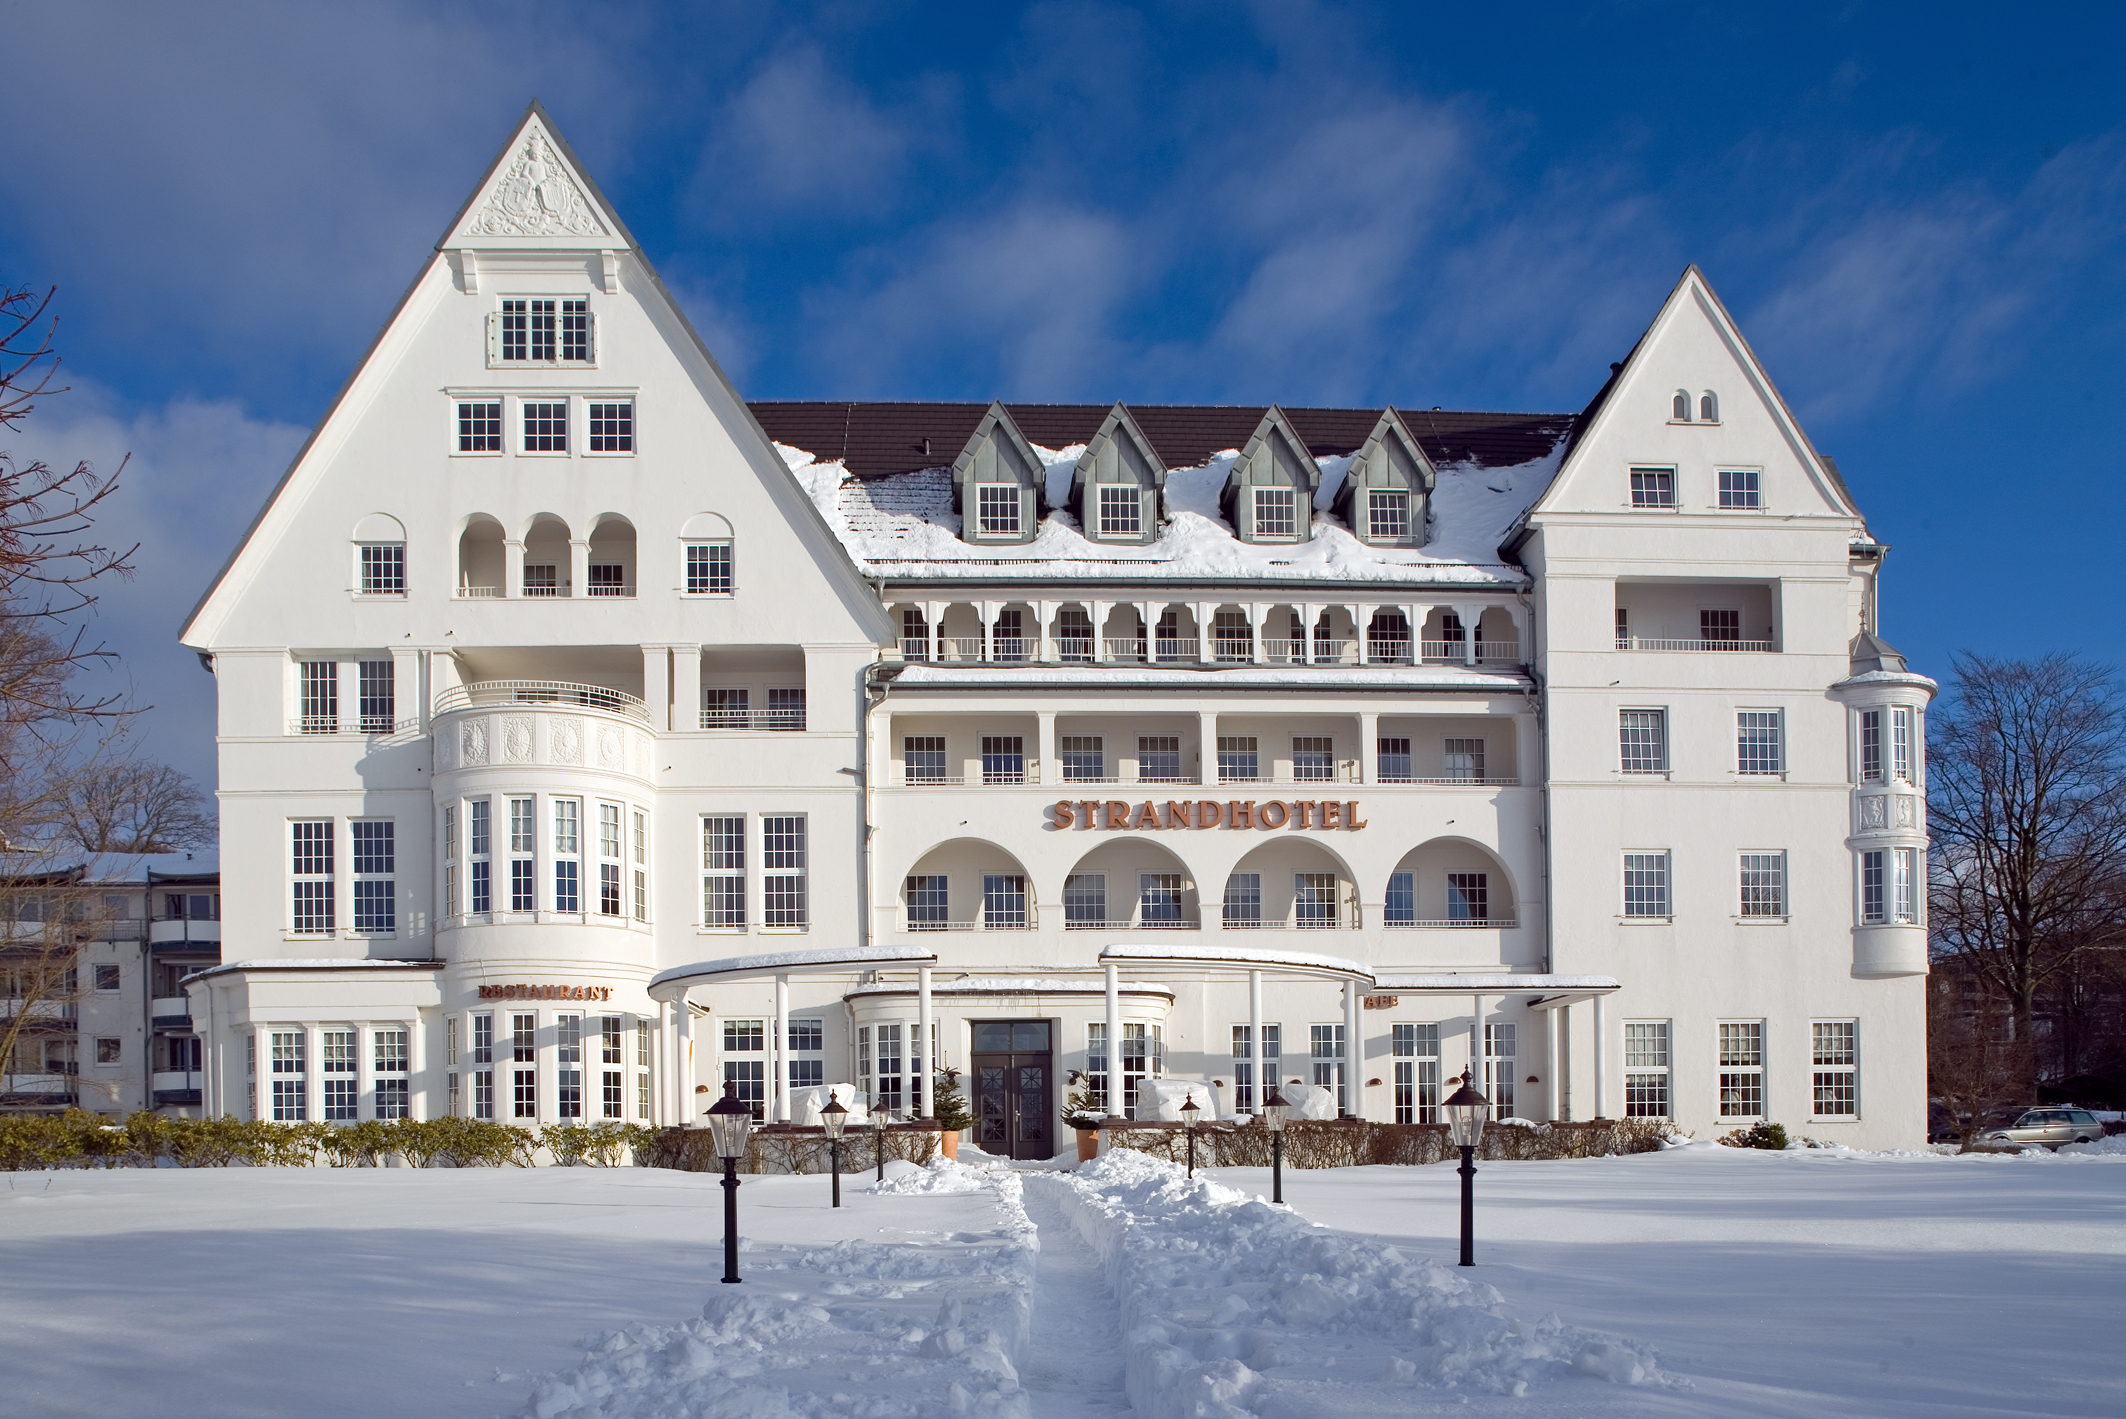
(948, 1107)
(1082, 1111)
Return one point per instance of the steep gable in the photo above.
(1391, 461)
(1274, 457)
(997, 454)
(1119, 454)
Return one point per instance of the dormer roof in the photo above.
(996, 452)
(1391, 440)
(1119, 431)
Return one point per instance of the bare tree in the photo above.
(133, 807)
(2027, 800)
(1975, 1065)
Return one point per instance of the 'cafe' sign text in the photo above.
(1208, 813)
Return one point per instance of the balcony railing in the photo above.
(1342, 773)
(779, 719)
(366, 725)
(920, 778)
(479, 593)
(1293, 924)
(1459, 923)
(1029, 923)
(1193, 650)
(612, 588)
(1149, 923)
(1653, 643)
(1457, 781)
(556, 694)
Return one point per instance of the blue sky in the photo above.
(1918, 214)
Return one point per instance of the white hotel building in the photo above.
(590, 737)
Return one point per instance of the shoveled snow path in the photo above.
(1072, 1364)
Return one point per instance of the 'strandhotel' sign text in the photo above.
(546, 992)
(1207, 813)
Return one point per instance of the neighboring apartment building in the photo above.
(113, 1031)
(590, 738)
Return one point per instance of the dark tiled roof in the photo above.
(875, 439)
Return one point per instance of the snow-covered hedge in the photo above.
(78, 1138)
(1345, 1143)
(1231, 1307)
(693, 1150)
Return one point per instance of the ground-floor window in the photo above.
(1836, 1056)
(1244, 1061)
(642, 1096)
(614, 1094)
(392, 1095)
(1646, 1069)
(1500, 1070)
(342, 1090)
(526, 1095)
(1143, 1057)
(1328, 1051)
(289, 1073)
(568, 1066)
(483, 1093)
(808, 1062)
(1415, 1049)
(745, 1068)
(1742, 1069)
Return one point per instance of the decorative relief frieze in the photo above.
(517, 738)
(535, 197)
(565, 738)
(1907, 810)
(610, 747)
(1870, 812)
(472, 742)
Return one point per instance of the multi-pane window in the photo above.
(383, 568)
(524, 1054)
(1008, 640)
(1276, 514)
(568, 1066)
(1901, 745)
(378, 696)
(1313, 900)
(1328, 1062)
(1387, 515)
(1763, 883)
(321, 697)
(1313, 758)
(808, 1044)
(479, 853)
(1463, 760)
(1718, 627)
(1468, 896)
(529, 326)
(1074, 636)
(1871, 746)
(786, 707)
(1646, 884)
(1121, 510)
(1232, 637)
(1760, 742)
(612, 426)
(1642, 738)
(375, 869)
(1244, 1061)
(336, 1070)
(1238, 759)
(1388, 639)
(1741, 488)
(480, 426)
(1392, 760)
(708, 569)
(288, 1076)
(726, 707)
(391, 1077)
(1159, 898)
(1415, 1051)
(545, 426)
(1084, 900)
(1623, 629)
(1500, 1071)
(609, 859)
(1904, 867)
(523, 842)
(1003, 901)
(450, 862)
(1084, 758)
(745, 1065)
(1400, 909)
(311, 867)
(1742, 1069)
(1159, 758)
(923, 758)
(782, 860)
(483, 1053)
(1143, 1057)
(1646, 1069)
(997, 509)
(890, 1098)
(1835, 1053)
(1243, 899)
(642, 865)
(568, 848)
(575, 330)
(723, 869)
(1653, 487)
(1873, 866)
(1003, 758)
(928, 901)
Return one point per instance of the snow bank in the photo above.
(941, 1174)
(885, 1330)
(1232, 1307)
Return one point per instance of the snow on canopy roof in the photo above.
(784, 963)
(904, 525)
(1239, 957)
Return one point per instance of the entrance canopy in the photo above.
(1549, 991)
(1241, 958)
(674, 983)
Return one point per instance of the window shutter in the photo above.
(494, 338)
(590, 337)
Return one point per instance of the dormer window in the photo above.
(540, 330)
(1121, 510)
(1276, 515)
(1680, 407)
(1709, 408)
(997, 509)
(1387, 516)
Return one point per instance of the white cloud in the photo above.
(801, 136)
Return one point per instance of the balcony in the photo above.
(170, 1013)
(1711, 646)
(786, 720)
(1182, 922)
(1030, 922)
(1464, 923)
(494, 694)
(1029, 772)
(366, 726)
(1204, 651)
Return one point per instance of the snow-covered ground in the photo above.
(1699, 1281)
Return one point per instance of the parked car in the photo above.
(2050, 1127)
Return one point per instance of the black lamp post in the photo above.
(1465, 1109)
(1273, 1107)
(1188, 1124)
(832, 1118)
(879, 1119)
(729, 1122)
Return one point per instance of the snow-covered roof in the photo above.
(1490, 982)
(1015, 985)
(1241, 957)
(904, 526)
(317, 963)
(665, 984)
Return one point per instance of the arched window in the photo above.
(379, 556)
(1681, 406)
(707, 554)
(1709, 407)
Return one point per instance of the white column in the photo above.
(1562, 1063)
(417, 1067)
(1044, 746)
(1256, 612)
(1098, 611)
(1369, 748)
(1476, 1043)
(686, 687)
(1601, 1058)
(1553, 1096)
(779, 1054)
(1114, 1040)
(1207, 734)
(1354, 1051)
(987, 610)
(314, 1070)
(1262, 1084)
(683, 1063)
(1203, 611)
(1044, 643)
(579, 567)
(262, 1072)
(1472, 617)
(922, 1034)
(512, 567)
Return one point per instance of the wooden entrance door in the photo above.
(1014, 1088)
